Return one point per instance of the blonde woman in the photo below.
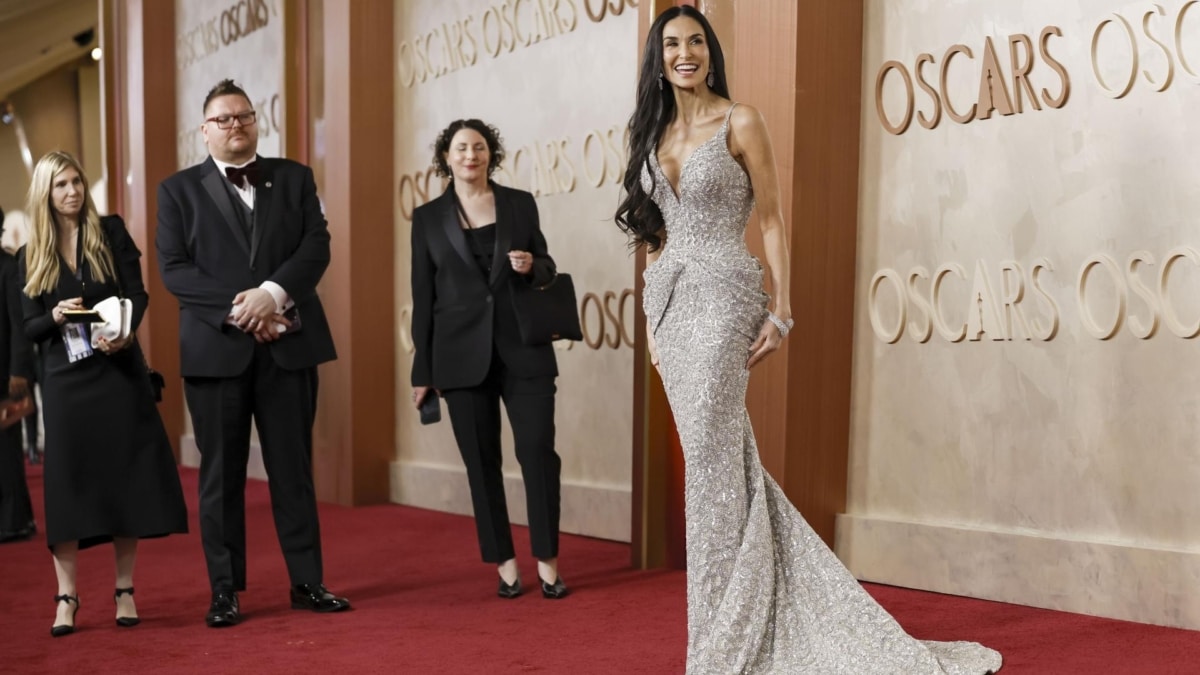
(109, 472)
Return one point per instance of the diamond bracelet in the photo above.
(783, 326)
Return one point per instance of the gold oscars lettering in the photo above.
(1006, 315)
(1119, 45)
(1140, 295)
(502, 28)
(1160, 32)
(1004, 91)
(603, 324)
(233, 23)
(598, 10)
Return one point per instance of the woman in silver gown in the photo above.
(765, 595)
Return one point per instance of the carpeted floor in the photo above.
(425, 604)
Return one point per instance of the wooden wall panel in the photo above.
(355, 435)
(139, 78)
(824, 238)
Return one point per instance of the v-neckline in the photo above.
(677, 192)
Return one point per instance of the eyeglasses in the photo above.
(245, 119)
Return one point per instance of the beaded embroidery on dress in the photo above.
(765, 595)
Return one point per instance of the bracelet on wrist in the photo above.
(784, 326)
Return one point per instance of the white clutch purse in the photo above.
(117, 314)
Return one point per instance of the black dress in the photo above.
(108, 469)
(16, 358)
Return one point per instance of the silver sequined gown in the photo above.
(765, 595)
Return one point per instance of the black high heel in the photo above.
(125, 621)
(554, 591)
(509, 591)
(64, 629)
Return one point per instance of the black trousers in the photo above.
(16, 511)
(282, 404)
(475, 417)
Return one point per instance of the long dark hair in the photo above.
(638, 216)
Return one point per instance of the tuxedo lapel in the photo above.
(213, 183)
(262, 204)
(504, 225)
(447, 213)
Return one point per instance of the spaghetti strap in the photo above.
(729, 113)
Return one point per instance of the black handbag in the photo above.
(547, 313)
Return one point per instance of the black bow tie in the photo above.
(244, 176)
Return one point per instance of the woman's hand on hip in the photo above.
(768, 340)
(652, 347)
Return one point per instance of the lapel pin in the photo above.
(267, 184)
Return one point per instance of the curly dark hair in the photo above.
(491, 135)
(638, 216)
(225, 87)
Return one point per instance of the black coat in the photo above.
(109, 470)
(205, 260)
(459, 317)
(16, 351)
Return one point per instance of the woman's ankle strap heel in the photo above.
(65, 629)
(125, 621)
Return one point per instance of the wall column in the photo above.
(356, 415)
(138, 40)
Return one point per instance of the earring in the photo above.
(660, 81)
(710, 79)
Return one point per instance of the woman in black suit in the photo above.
(469, 247)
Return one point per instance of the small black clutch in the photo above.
(431, 408)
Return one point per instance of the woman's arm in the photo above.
(751, 144)
(38, 320)
(423, 296)
(127, 264)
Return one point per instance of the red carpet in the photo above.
(424, 604)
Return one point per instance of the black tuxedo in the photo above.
(208, 252)
(468, 346)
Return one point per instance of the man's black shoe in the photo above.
(223, 611)
(317, 598)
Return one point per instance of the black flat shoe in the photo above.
(555, 591)
(509, 591)
(65, 629)
(223, 611)
(317, 598)
(125, 621)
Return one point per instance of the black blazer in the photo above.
(455, 326)
(205, 260)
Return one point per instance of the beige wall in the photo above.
(243, 41)
(557, 78)
(1055, 468)
(58, 112)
